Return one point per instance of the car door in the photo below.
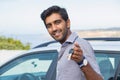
(35, 65)
(117, 73)
(108, 62)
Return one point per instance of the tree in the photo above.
(12, 44)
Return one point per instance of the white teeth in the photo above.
(57, 33)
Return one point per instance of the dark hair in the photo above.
(54, 9)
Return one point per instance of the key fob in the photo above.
(70, 54)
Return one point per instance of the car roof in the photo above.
(112, 44)
(109, 45)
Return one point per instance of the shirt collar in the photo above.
(71, 39)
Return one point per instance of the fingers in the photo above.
(76, 44)
(76, 58)
(77, 49)
(77, 53)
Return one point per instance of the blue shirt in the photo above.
(69, 69)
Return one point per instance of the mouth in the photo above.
(56, 34)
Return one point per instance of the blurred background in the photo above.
(20, 19)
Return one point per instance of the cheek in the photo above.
(49, 31)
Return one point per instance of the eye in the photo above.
(57, 22)
(48, 25)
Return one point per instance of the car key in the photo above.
(70, 54)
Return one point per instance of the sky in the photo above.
(23, 16)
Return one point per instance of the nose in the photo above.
(54, 27)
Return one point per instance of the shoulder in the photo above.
(82, 41)
(85, 45)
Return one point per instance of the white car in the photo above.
(40, 62)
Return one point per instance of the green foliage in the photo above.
(12, 44)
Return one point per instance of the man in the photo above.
(81, 64)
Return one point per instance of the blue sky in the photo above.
(23, 16)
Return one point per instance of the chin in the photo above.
(59, 40)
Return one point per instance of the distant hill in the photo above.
(113, 29)
(102, 29)
(109, 29)
(109, 32)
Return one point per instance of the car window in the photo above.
(30, 66)
(35, 65)
(108, 62)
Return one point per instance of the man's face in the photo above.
(57, 27)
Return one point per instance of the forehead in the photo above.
(53, 17)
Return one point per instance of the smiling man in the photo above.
(82, 64)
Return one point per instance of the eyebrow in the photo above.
(54, 21)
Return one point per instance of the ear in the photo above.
(68, 23)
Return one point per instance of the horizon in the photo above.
(47, 34)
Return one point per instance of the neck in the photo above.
(67, 36)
